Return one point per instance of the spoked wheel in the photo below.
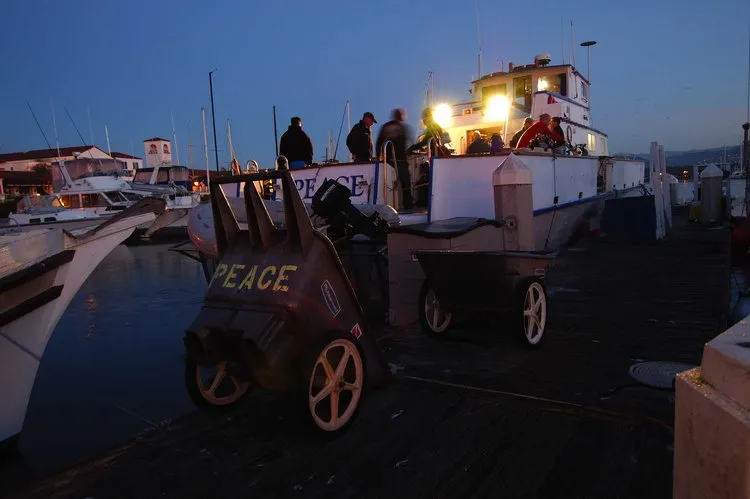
(335, 383)
(434, 319)
(534, 312)
(214, 387)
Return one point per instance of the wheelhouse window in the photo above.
(162, 177)
(522, 92)
(553, 83)
(592, 143)
(492, 90)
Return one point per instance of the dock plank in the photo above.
(479, 416)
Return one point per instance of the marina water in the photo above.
(114, 365)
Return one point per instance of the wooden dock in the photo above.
(477, 417)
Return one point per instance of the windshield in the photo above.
(116, 196)
(130, 196)
(143, 177)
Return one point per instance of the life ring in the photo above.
(569, 134)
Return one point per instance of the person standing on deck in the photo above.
(359, 140)
(396, 132)
(432, 131)
(517, 136)
(296, 146)
(540, 128)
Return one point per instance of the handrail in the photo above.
(276, 163)
(385, 171)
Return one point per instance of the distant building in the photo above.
(26, 161)
(19, 183)
(158, 152)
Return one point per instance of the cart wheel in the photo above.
(533, 311)
(435, 321)
(334, 382)
(213, 387)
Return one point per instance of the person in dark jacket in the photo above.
(396, 132)
(478, 144)
(517, 136)
(296, 146)
(496, 144)
(359, 140)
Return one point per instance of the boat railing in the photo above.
(385, 172)
(276, 162)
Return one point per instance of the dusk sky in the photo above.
(676, 72)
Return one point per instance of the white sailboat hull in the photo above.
(23, 339)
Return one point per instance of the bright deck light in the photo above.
(497, 108)
(442, 115)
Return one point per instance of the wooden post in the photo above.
(514, 203)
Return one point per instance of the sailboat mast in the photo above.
(109, 148)
(176, 148)
(54, 125)
(349, 126)
(205, 145)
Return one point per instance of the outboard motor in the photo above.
(332, 202)
(280, 313)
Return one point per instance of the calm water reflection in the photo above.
(115, 360)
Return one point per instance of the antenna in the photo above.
(176, 148)
(588, 46)
(572, 43)
(562, 39)
(479, 43)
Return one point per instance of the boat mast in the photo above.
(176, 148)
(106, 133)
(205, 145)
(349, 126)
(54, 126)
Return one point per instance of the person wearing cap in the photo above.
(359, 140)
(296, 146)
(517, 136)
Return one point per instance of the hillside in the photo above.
(696, 156)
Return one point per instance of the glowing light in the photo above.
(442, 114)
(497, 108)
(543, 84)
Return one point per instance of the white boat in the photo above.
(566, 187)
(40, 272)
(48, 211)
(171, 183)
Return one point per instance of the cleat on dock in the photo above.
(280, 314)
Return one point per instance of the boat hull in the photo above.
(26, 327)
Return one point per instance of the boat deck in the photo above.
(477, 417)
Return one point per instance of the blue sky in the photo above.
(662, 70)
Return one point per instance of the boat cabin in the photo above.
(164, 175)
(98, 201)
(502, 100)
